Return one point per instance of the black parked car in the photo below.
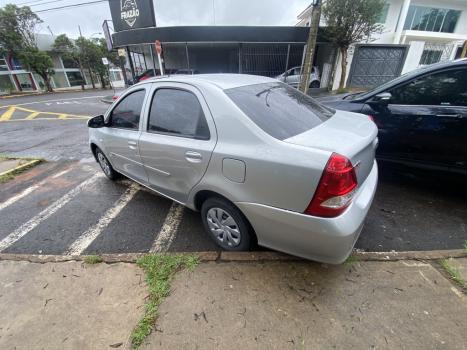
(421, 116)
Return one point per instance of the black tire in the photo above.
(314, 84)
(106, 167)
(227, 240)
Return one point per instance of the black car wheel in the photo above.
(105, 165)
(226, 225)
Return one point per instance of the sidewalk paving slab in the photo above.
(69, 305)
(300, 305)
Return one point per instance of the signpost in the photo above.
(105, 62)
(159, 51)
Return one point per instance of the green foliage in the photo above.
(39, 62)
(92, 259)
(351, 21)
(160, 270)
(453, 273)
(17, 28)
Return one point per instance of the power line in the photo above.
(69, 6)
(29, 2)
(47, 2)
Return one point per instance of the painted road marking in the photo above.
(45, 214)
(80, 245)
(29, 190)
(56, 100)
(20, 195)
(61, 173)
(169, 229)
(8, 115)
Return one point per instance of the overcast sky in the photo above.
(168, 13)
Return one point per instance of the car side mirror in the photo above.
(382, 98)
(96, 122)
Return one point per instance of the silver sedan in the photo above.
(261, 161)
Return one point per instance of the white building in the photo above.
(432, 31)
(15, 77)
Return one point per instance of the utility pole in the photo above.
(310, 47)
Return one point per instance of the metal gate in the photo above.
(373, 65)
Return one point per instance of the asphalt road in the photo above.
(56, 129)
(66, 206)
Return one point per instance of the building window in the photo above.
(435, 52)
(430, 19)
(384, 14)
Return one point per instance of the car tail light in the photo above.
(115, 97)
(335, 189)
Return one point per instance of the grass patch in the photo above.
(10, 175)
(453, 273)
(465, 247)
(351, 259)
(93, 259)
(159, 270)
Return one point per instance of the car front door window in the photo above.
(441, 89)
(126, 114)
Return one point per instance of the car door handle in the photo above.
(132, 144)
(193, 157)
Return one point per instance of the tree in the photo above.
(40, 63)
(69, 52)
(18, 37)
(349, 22)
(17, 28)
(87, 53)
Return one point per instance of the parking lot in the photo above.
(66, 206)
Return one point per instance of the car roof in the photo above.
(222, 81)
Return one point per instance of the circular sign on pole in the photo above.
(158, 47)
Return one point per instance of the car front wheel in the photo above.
(226, 225)
(105, 165)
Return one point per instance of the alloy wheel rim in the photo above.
(223, 226)
(104, 164)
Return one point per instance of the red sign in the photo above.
(158, 47)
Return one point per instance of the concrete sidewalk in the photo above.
(300, 305)
(69, 305)
(235, 305)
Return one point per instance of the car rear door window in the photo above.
(279, 109)
(127, 113)
(177, 112)
(448, 88)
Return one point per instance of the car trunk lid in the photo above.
(349, 134)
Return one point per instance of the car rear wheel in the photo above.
(314, 85)
(226, 225)
(105, 165)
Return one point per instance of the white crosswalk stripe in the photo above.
(169, 229)
(46, 213)
(80, 245)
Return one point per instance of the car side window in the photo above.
(296, 71)
(177, 112)
(127, 113)
(447, 88)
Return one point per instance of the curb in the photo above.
(242, 256)
(21, 167)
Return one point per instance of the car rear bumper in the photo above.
(328, 240)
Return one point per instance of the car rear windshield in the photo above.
(279, 109)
